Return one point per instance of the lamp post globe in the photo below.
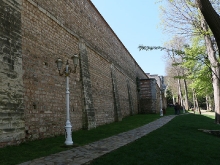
(59, 64)
(75, 59)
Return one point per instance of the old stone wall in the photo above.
(149, 96)
(11, 82)
(157, 102)
(43, 41)
(103, 89)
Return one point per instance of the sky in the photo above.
(136, 22)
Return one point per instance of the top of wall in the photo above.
(83, 20)
(119, 40)
(115, 35)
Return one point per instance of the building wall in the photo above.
(149, 96)
(11, 82)
(161, 86)
(43, 41)
(35, 34)
(102, 91)
(157, 102)
(134, 97)
(146, 96)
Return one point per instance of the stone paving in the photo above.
(86, 153)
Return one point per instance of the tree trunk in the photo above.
(194, 101)
(196, 104)
(180, 93)
(207, 102)
(211, 17)
(211, 106)
(215, 70)
(174, 100)
(186, 95)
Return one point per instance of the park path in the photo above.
(84, 154)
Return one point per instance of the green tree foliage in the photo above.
(198, 67)
(169, 96)
(195, 64)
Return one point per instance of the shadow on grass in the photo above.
(44, 147)
(170, 140)
(178, 142)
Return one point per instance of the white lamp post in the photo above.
(162, 89)
(161, 104)
(66, 72)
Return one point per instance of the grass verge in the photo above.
(178, 142)
(34, 149)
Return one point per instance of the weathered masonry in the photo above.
(149, 102)
(33, 35)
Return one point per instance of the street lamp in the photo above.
(162, 89)
(66, 72)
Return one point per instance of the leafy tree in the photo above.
(171, 82)
(212, 19)
(198, 67)
(169, 96)
(194, 17)
(190, 63)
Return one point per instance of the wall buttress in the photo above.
(89, 120)
(117, 109)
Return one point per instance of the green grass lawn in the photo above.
(177, 143)
(39, 148)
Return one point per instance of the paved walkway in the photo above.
(86, 153)
(205, 112)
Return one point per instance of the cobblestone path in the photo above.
(86, 153)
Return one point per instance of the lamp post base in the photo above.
(161, 112)
(68, 128)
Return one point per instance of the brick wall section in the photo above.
(82, 18)
(89, 120)
(157, 102)
(11, 84)
(43, 41)
(149, 96)
(102, 90)
(116, 101)
(134, 94)
(130, 98)
(145, 96)
(123, 93)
